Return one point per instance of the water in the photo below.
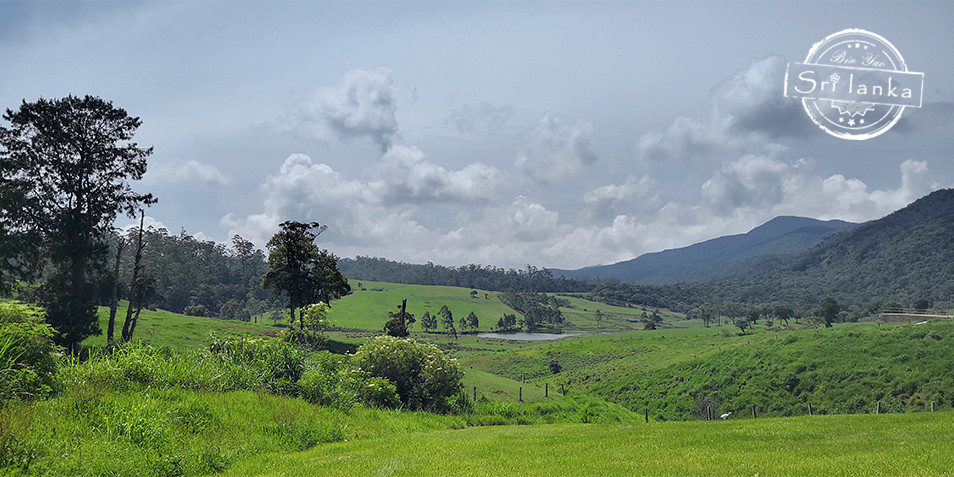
(521, 336)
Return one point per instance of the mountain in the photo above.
(904, 256)
(719, 258)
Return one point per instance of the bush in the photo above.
(334, 381)
(424, 377)
(27, 352)
(274, 365)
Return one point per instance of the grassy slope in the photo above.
(826, 445)
(161, 328)
(677, 373)
(367, 308)
(847, 369)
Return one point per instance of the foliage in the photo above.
(299, 270)
(68, 163)
(27, 353)
(424, 376)
(471, 276)
(309, 334)
(399, 323)
(538, 309)
(334, 380)
(829, 309)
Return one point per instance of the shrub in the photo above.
(424, 377)
(274, 365)
(333, 381)
(27, 352)
(310, 332)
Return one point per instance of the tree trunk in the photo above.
(127, 325)
(114, 302)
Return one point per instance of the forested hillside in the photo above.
(720, 258)
(905, 256)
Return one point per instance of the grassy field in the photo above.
(611, 374)
(367, 308)
(161, 329)
(909, 445)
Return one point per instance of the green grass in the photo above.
(910, 445)
(161, 329)
(498, 388)
(367, 308)
(176, 431)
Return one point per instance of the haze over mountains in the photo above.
(719, 258)
(902, 257)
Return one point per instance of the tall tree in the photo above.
(69, 163)
(301, 272)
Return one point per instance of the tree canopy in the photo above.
(67, 165)
(301, 272)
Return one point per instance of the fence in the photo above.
(708, 416)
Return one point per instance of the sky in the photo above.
(557, 134)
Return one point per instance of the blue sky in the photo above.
(558, 134)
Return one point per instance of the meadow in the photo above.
(166, 406)
(909, 445)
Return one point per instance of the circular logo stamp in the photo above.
(854, 84)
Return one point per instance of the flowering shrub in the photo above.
(424, 377)
(333, 381)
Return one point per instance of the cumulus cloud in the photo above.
(483, 117)
(762, 188)
(361, 105)
(607, 202)
(747, 112)
(555, 151)
(304, 189)
(410, 178)
(189, 172)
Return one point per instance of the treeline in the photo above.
(538, 309)
(481, 277)
(680, 298)
(191, 276)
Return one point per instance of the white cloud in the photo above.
(555, 151)
(609, 201)
(761, 188)
(363, 104)
(188, 172)
(747, 113)
(410, 178)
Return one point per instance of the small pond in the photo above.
(521, 336)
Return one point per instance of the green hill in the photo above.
(677, 374)
(904, 256)
(367, 307)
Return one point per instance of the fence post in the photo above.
(810, 409)
(475, 393)
(932, 406)
(646, 414)
(753, 412)
(708, 413)
(878, 409)
(546, 389)
(521, 393)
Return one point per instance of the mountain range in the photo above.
(720, 258)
